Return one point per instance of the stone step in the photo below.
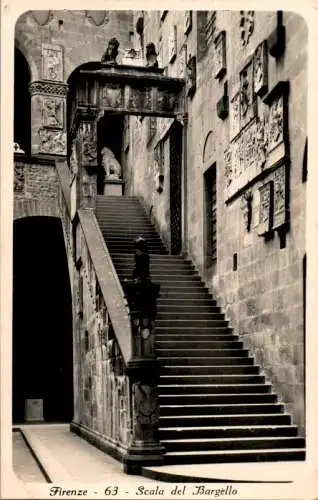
(205, 353)
(202, 388)
(175, 292)
(220, 408)
(207, 360)
(268, 455)
(166, 279)
(205, 300)
(218, 380)
(172, 269)
(155, 258)
(177, 421)
(215, 338)
(195, 322)
(228, 444)
(232, 431)
(187, 308)
(197, 344)
(123, 238)
(195, 369)
(215, 399)
(192, 330)
(189, 315)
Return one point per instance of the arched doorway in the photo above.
(22, 102)
(42, 320)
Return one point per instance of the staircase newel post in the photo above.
(143, 368)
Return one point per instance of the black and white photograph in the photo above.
(155, 253)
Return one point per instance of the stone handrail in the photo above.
(65, 180)
(108, 281)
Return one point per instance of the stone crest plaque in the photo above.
(172, 44)
(247, 104)
(112, 96)
(188, 22)
(280, 197)
(52, 62)
(235, 115)
(265, 208)
(219, 55)
(260, 69)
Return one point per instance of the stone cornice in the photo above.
(43, 87)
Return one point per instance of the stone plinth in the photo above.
(34, 410)
(113, 187)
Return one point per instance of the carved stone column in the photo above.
(143, 369)
(48, 105)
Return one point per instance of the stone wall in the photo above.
(263, 298)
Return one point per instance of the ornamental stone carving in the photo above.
(146, 412)
(235, 115)
(18, 178)
(265, 208)
(89, 143)
(260, 69)
(151, 56)
(182, 62)
(246, 25)
(246, 208)
(52, 141)
(112, 95)
(172, 43)
(140, 98)
(219, 55)
(228, 166)
(97, 17)
(275, 123)
(42, 17)
(52, 89)
(187, 21)
(280, 197)
(247, 105)
(53, 112)
(52, 62)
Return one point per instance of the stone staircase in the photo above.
(215, 404)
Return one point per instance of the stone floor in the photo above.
(71, 462)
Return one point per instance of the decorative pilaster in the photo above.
(48, 105)
(143, 369)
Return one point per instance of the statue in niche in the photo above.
(111, 53)
(151, 56)
(111, 166)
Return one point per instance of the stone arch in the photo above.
(208, 148)
(34, 70)
(35, 208)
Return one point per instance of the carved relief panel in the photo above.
(219, 55)
(52, 62)
(246, 25)
(187, 22)
(18, 178)
(235, 115)
(172, 44)
(112, 96)
(280, 213)
(182, 62)
(88, 137)
(265, 208)
(52, 141)
(53, 112)
(247, 103)
(140, 98)
(277, 127)
(260, 70)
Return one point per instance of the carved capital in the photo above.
(48, 88)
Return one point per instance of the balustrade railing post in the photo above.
(143, 368)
